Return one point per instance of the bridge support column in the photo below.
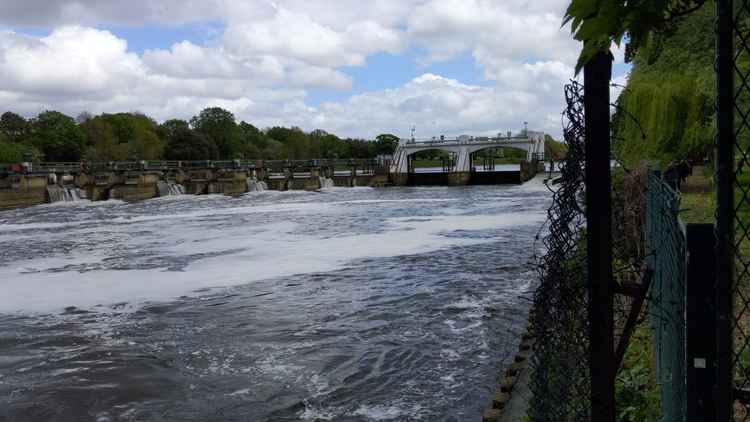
(463, 161)
(461, 178)
(399, 179)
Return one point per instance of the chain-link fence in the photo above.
(733, 208)
(560, 381)
(666, 244)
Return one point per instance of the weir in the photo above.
(28, 184)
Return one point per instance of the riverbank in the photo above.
(510, 402)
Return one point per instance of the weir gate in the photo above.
(36, 183)
(28, 184)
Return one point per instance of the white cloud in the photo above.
(268, 54)
(70, 61)
(296, 35)
(437, 105)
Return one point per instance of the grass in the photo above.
(427, 163)
(698, 199)
(636, 390)
(698, 207)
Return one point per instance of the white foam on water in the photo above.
(83, 204)
(348, 189)
(243, 392)
(273, 253)
(314, 413)
(382, 412)
(371, 412)
(248, 252)
(252, 209)
(394, 201)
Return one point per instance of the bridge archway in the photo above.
(432, 160)
(488, 158)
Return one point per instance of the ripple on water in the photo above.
(346, 305)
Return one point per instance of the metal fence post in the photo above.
(700, 330)
(597, 75)
(725, 208)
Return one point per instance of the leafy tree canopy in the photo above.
(212, 134)
(186, 144)
(102, 142)
(57, 136)
(219, 126)
(385, 144)
(599, 23)
(171, 126)
(13, 126)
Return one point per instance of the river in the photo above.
(350, 304)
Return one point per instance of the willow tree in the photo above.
(666, 110)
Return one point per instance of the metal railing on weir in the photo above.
(369, 165)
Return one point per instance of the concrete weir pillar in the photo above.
(135, 186)
(313, 182)
(229, 182)
(461, 178)
(399, 179)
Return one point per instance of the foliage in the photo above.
(555, 149)
(14, 127)
(255, 143)
(57, 136)
(212, 134)
(666, 110)
(103, 145)
(385, 144)
(171, 126)
(186, 144)
(147, 144)
(295, 145)
(636, 391)
(14, 152)
(599, 23)
(122, 136)
(220, 127)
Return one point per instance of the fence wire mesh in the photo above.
(740, 246)
(667, 257)
(561, 376)
(560, 381)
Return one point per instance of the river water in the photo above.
(351, 304)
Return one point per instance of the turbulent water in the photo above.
(58, 193)
(169, 188)
(349, 304)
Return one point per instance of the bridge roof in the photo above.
(475, 141)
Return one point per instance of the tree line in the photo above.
(213, 134)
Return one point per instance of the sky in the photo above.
(351, 67)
